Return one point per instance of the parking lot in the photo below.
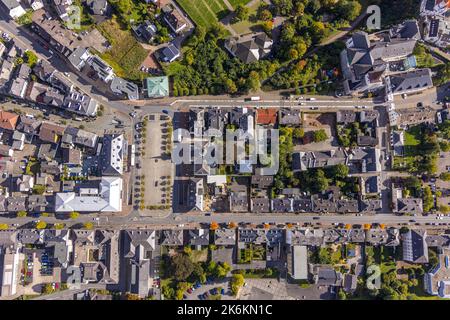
(155, 161)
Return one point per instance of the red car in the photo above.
(189, 290)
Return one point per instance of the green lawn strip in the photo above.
(412, 137)
(213, 5)
(208, 8)
(193, 10)
(235, 3)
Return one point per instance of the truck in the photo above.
(311, 99)
(253, 99)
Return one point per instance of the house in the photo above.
(97, 253)
(145, 31)
(406, 205)
(106, 198)
(12, 8)
(305, 237)
(345, 117)
(157, 87)
(80, 103)
(350, 283)
(261, 182)
(215, 119)
(25, 183)
(260, 205)
(6, 151)
(302, 161)
(266, 116)
(436, 282)
(35, 4)
(50, 132)
(47, 151)
(71, 156)
(412, 116)
(8, 120)
(302, 205)
(411, 81)
(249, 48)
(16, 204)
(5, 72)
(62, 8)
(290, 117)
(80, 137)
(281, 205)
(198, 237)
(97, 7)
(104, 71)
(139, 249)
(18, 88)
(169, 53)
(370, 185)
(120, 86)
(238, 198)
(196, 193)
(173, 237)
(364, 63)
(225, 237)
(79, 57)
(398, 143)
(9, 264)
(38, 203)
(415, 248)
(327, 276)
(175, 21)
(253, 236)
(112, 154)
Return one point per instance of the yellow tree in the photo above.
(214, 225)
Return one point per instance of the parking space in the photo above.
(209, 291)
(155, 163)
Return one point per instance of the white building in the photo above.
(13, 8)
(107, 198)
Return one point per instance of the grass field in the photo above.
(126, 54)
(235, 3)
(204, 12)
(412, 140)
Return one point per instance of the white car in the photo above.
(301, 98)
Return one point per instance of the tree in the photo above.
(181, 266)
(342, 295)
(320, 181)
(242, 13)
(428, 200)
(445, 176)
(4, 226)
(349, 10)
(21, 214)
(41, 225)
(74, 215)
(214, 225)
(340, 171)
(298, 133)
(444, 208)
(265, 15)
(320, 135)
(232, 225)
(89, 225)
(31, 58)
(47, 288)
(237, 281)
(230, 86)
(253, 81)
(59, 226)
(38, 189)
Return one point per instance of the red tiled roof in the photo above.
(8, 120)
(266, 116)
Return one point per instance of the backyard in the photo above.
(126, 54)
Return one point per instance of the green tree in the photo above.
(4, 226)
(89, 225)
(41, 225)
(236, 282)
(320, 135)
(31, 58)
(298, 133)
(74, 215)
(253, 81)
(242, 13)
(340, 171)
(428, 200)
(21, 214)
(182, 266)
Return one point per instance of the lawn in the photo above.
(246, 26)
(199, 255)
(412, 140)
(126, 54)
(235, 3)
(204, 12)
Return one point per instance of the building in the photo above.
(169, 53)
(250, 48)
(437, 281)
(139, 251)
(81, 104)
(103, 70)
(79, 57)
(196, 193)
(18, 88)
(106, 198)
(112, 154)
(175, 21)
(298, 262)
(120, 86)
(12, 8)
(8, 120)
(9, 265)
(198, 237)
(50, 132)
(364, 63)
(97, 7)
(145, 31)
(157, 87)
(410, 82)
(225, 237)
(172, 237)
(415, 248)
(80, 137)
